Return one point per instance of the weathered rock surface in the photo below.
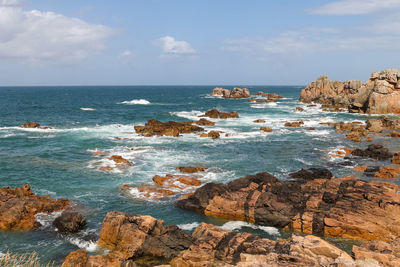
(216, 247)
(131, 237)
(388, 172)
(235, 93)
(294, 124)
(213, 134)
(311, 174)
(171, 128)
(385, 254)
(215, 114)
(266, 129)
(379, 95)
(205, 122)
(337, 207)
(33, 124)
(69, 222)
(19, 206)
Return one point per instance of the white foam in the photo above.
(235, 225)
(136, 102)
(191, 115)
(46, 219)
(188, 226)
(90, 246)
(2, 254)
(88, 109)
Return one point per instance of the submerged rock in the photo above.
(19, 206)
(69, 222)
(171, 128)
(336, 207)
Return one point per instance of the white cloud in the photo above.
(36, 36)
(355, 7)
(170, 46)
(126, 56)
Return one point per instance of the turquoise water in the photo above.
(59, 162)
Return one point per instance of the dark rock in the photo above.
(378, 152)
(312, 173)
(69, 222)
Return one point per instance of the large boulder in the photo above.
(226, 93)
(69, 222)
(215, 114)
(240, 93)
(336, 207)
(19, 206)
(171, 128)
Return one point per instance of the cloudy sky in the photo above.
(238, 42)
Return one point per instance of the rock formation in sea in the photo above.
(171, 128)
(235, 93)
(19, 206)
(215, 114)
(33, 124)
(69, 222)
(379, 95)
(334, 207)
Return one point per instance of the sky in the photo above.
(195, 42)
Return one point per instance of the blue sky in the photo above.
(212, 42)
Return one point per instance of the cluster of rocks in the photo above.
(270, 97)
(171, 128)
(33, 124)
(137, 240)
(18, 207)
(235, 93)
(168, 185)
(379, 95)
(315, 203)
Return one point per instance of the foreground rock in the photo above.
(171, 128)
(215, 114)
(131, 237)
(384, 253)
(236, 92)
(216, 247)
(336, 207)
(69, 222)
(379, 95)
(19, 206)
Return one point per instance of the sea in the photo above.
(60, 161)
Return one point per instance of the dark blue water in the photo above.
(59, 162)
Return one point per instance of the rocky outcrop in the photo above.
(33, 124)
(131, 237)
(214, 246)
(120, 160)
(327, 92)
(294, 124)
(266, 129)
(213, 134)
(385, 254)
(69, 222)
(236, 92)
(19, 206)
(205, 122)
(379, 95)
(171, 128)
(336, 207)
(311, 174)
(164, 186)
(215, 114)
(378, 152)
(191, 169)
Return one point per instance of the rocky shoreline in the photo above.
(311, 205)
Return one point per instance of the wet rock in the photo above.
(106, 168)
(354, 136)
(336, 207)
(19, 206)
(266, 129)
(171, 128)
(373, 151)
(191, 169)
(213, 134)
(299, 109)
(205, 122)
(311, 174)
(120, 160)
(69, 222)
(395, 134)
(215, 114)
(30, 124)
(294, 124)
(214, 246)
(259, 121)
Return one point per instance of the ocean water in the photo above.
(59, 162)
